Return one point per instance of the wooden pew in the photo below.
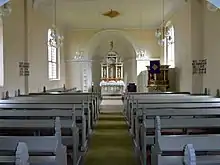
(35, 123)
(170, 150)
(166, 102)
(186, 105)
(61, 89)
(129, 95)
(93, 97)
(156, 96)
(160, 99)
(34, 149)
(173, 126)
(46, 106)
(72, 99)
(133, 97)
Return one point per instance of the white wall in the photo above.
(212, 50)
(14, 50)
(181, 23)
(197, 28)
(142, 81)
(130, 69)
(189, 45)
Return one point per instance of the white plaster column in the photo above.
(102, 72)
(134, 70)
(122, 71)
(74, 78)
(116, 72)
(107, 71)
(89, 74)
(125, 78)
(81, 65)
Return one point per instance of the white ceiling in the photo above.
(88, 13)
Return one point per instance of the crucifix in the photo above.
(111, 45)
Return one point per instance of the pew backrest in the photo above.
(182, 111)
(41, 104)
(161, 98)
(173, 123)
(33, 123)
(38, 144)
(38, 113)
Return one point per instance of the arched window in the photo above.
(53, 60)
(169, 48)
(1, 55)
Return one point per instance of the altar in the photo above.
(112, 73)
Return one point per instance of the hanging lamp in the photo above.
(56, 40)
(162, 33)
(5, 8)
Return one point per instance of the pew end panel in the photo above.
(35, 148)
(167, 147)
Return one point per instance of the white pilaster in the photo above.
(102, 72)
(122, 75)
(107, 71)
(116, 72)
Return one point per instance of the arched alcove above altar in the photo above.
(99, 44)
(99, 47)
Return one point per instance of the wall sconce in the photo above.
(199, 66)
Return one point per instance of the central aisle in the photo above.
(110, 143)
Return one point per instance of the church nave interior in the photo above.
(109, 82)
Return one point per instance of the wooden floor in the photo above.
(110, 143)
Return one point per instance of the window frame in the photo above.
(169, 48)
(53, 60)
(2, 76)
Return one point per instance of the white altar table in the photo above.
(112, 87)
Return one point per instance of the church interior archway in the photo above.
(99, 48)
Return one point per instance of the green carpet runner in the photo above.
(110, 143)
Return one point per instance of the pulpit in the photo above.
(158, 82)
(112, 73)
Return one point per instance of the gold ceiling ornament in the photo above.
(111, 14)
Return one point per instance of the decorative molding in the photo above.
(120, 29)
(111, 14)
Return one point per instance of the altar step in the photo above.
(111, 103)
(115, 94)
(112, 108)
(111, 97)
